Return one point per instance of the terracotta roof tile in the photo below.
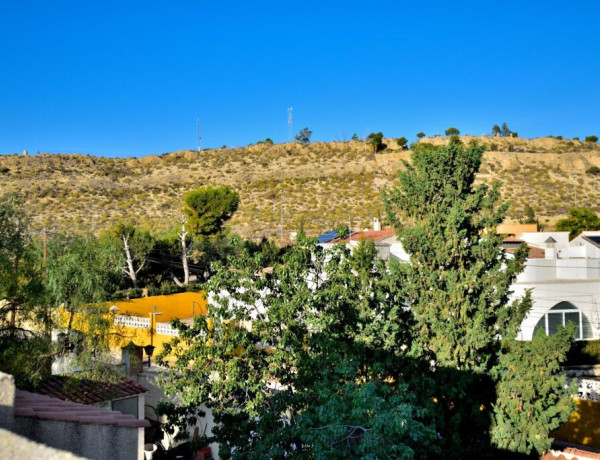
(369, 235)
(47, 408)
(87, 391)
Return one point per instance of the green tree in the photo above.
(81, 277)
(355, 137)
(527, 370)
(316, 375)
(304, 136)
(593, 139)
(452, 132)
(130, 247)
(421, 135)
(25, 320)
(506, 132)
(375, 140)
(208, 208)
(457, 285)
(579, 219)
(402, 143)
(496, 130)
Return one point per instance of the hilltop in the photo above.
(318, 184)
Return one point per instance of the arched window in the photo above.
(561, 314)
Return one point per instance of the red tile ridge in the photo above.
(47, 408)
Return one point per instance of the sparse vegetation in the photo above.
(318, 182)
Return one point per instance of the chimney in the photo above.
(550, 248)
(376, 224)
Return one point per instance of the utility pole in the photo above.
(45, 242)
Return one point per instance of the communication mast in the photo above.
(199, 134)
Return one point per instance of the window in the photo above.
(561, 314)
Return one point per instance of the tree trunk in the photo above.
(185, 250)
(130, 271)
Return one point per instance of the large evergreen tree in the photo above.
(458, 287)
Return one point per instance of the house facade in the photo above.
(564, 280)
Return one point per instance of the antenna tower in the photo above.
(289, 121)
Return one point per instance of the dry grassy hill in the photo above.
(319, 184)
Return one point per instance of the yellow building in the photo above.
(145, 321)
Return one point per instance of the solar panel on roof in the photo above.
(595, 239)
(326, 237)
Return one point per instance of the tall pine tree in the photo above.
(458, 287)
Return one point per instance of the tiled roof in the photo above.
(46, 408)
(369, 235)
(87, 391)
(510, 245)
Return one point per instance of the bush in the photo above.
(593, 139)
(402, 142)
(421, 135)
(593, 170)
(452, 132)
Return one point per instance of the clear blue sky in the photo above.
(128, 78)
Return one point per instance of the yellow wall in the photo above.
(172, 306)
(181, 306)
(584, 425)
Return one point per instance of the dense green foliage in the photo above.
(326, 332)
(208, 208)
(526, 371)
(579, 219)
(452, 132)
(24, 352)
(458, 288)
(338, 354)
(593, 139)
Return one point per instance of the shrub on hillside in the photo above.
(593, 170)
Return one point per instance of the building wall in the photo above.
(91, 441)
(584, 294)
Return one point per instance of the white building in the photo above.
(564, 279)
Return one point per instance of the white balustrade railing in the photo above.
(132, 321)
(166, 329)
(144, 323)
(589, 389)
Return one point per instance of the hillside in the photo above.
(319, 184)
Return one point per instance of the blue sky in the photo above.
(128, 78)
